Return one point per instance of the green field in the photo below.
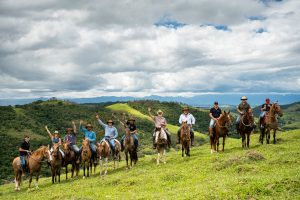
(262, 172)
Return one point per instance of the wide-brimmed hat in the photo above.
(159, 111)
(110, 121)
(56, 132)
(185, 108)
(244, 98)
(89, 125)
(131, 119)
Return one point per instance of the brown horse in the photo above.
(56, 163)
(86, 157)
(185, 139)
(161, 146)
(270, 123)
(130, 148)
(34, 164)
(70, 159)
(104, 151)
(220, 130)
(245, 128)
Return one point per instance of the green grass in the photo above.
(124, 107)
(263, 172)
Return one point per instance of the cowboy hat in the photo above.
(110, 121)
(89, 125)
(244, 98)
(159, 111)
(131, 119)
(185, 108)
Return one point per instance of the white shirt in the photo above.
(189, 118)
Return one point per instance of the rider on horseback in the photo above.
(111, 133)
(242, 108)
(190, 119)
(70, 138)
(160, 122)
(91, 136)
(264, 108)
(55, 139)
(132, 127)
(24, 152)
(215, 113)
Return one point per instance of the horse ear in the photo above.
(228, 111)
(225, 112)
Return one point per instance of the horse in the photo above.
(86, 156)
(34, 164)
(270, 123)
(104, 151)
(130, 148)
(70, 158)
(185, 139)
(56, 163)
(245, 127)
(161, 145)
(220, 130)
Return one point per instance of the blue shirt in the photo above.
(90, 135)
(110, 132)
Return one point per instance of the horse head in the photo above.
(277, 109)
(55, 151)
(227, 118)
(102, 148)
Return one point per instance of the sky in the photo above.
(75, 49)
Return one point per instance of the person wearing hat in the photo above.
(91, 136)
(55, 139)
(241, 109)
(70, 138)
(264, 108)
(160, 122)
(132, 127)
(111, 133)
(24, 152)
(215, 113)
(190, 119)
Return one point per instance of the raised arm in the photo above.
(81, 127)
(74, 127)
(149, 113)
(49, 133)
(100, 122)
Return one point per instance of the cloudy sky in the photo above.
(136, 48)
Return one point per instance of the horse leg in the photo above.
(106, 165)
(73, 169)
(58, 173)
(182, 149)
(164, 156)
(37, 180)
(243, 140)
(248, 139)
(30, 180)
(218, 143)
(83, 170)
(131, 158)
(223, 143)
(126, 155)
(67, 171)
(188, 149)
(88, 169)
(274, 136)
(158, 157)
(268, 136)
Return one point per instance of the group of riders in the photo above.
(111, 133)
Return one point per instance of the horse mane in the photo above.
(39, 151)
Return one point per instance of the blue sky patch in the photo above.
(218, 26)
(261, 30)
(257, 18)
(169, 23)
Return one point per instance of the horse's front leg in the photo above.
(106, 165)
(83, 170)
(37, 180)
(164, 156)
(30, 180)
(224, 137)
(158, 157)
(100, 160)
(67, 171)
(268, 134)
(182, 150)
(248, 139)
(274, 136)
(218, 143)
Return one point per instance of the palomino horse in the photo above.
(104, 151)
(270, 123)
(245, 127)
(185, 139)
(161, 146)
(70, 159)
(56, 163)
(86, 157)
(34, 164)
(130, 148)
(220, 130)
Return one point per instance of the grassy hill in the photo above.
(262, 172)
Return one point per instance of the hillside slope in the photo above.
(263, 172)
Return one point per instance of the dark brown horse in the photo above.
(161, 146)
(130, 148)
(86, 157)
(70, 159)
(185, 139)
(245, 128)
(34, 164)
(104, 151)
(56, 163)
(270, 123)
(220, 130)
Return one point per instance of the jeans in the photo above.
(211, 123)
(238, 119)
(75, 148)
(262, 114)
(22, 159)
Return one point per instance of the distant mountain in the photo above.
(205, 100)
